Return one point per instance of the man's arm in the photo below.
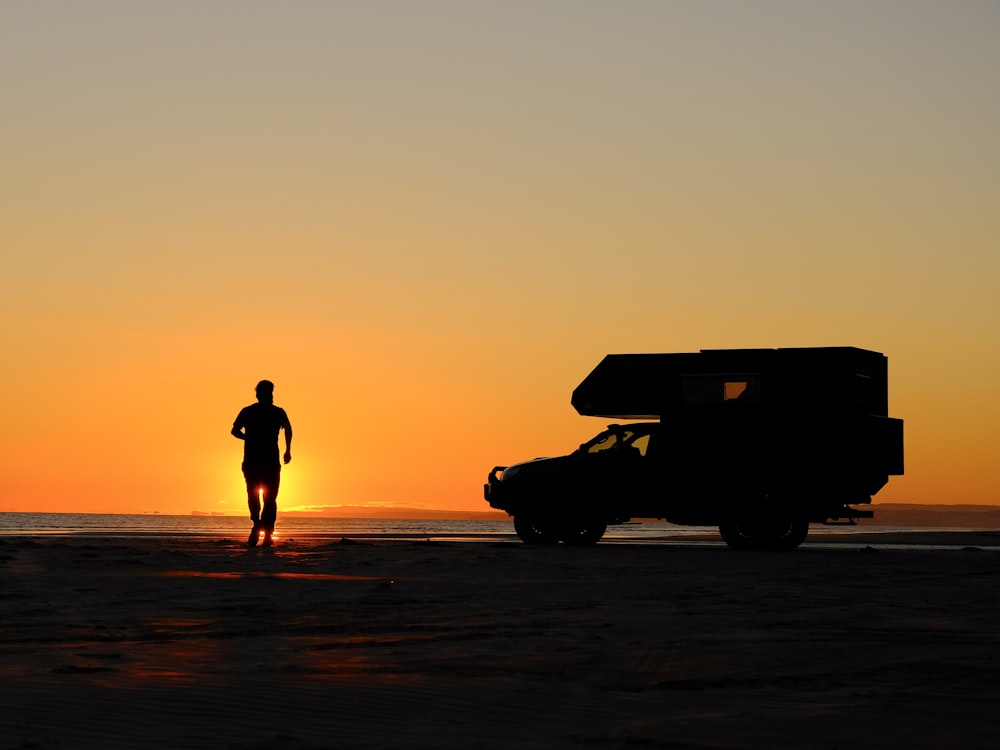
(238, 431)
(287, 427)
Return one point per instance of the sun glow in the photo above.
(403, 375)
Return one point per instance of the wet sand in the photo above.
(848, 642)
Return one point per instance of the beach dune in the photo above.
(198, 643)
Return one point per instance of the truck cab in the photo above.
(759, 442)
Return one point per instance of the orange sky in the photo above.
(426, 223)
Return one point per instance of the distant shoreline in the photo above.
(934, 516)
(960, 516)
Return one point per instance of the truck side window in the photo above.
(702, 389)
(641, 444)
(734, 389)
(718, 389)
(745, 390)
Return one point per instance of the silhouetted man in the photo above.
(257, 426)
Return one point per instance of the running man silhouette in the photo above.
(257, 426)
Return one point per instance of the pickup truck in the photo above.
(759, 442)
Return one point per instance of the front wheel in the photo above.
(765, 532)
(535, 531)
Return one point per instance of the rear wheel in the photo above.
(535, 531)
(765, 532)
(583, 534)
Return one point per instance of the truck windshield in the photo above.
(617, 439)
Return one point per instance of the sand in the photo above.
(200, 643)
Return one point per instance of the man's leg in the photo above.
(269, 513)
(253, 502)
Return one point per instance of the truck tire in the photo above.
(583, 534)
(765, 532)
(535, 531)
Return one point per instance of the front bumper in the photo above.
(492, 490)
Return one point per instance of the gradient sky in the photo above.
(427, 221)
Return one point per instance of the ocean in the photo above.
(290, 527)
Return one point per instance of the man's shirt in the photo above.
(261, 424)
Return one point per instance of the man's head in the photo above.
(265, 392)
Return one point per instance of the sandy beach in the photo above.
(848, 642)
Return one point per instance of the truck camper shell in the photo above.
(652, 386)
